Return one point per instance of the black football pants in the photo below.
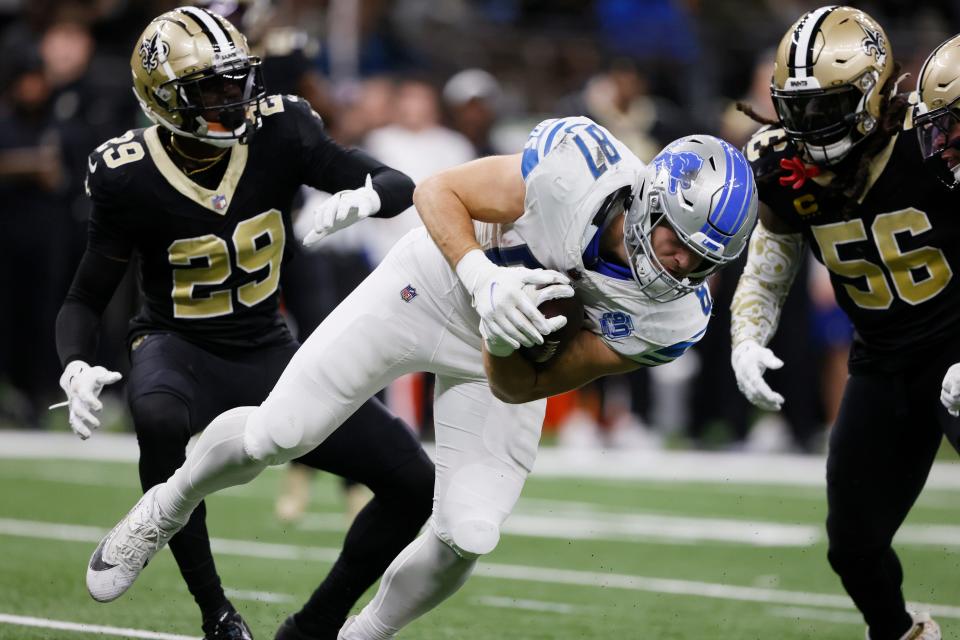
(881, 450)
(176, 388)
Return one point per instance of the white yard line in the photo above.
(527, 605)
(820, 615)
(259, 596)
(80, 627)
(595, 524)
(250, 549)
(630, 527)
(661, 466)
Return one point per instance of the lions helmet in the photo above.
(937, 112)
(703, 188)
(193, 74)
(828, 77)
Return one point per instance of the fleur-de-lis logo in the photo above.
(873, 44)
(153, 51)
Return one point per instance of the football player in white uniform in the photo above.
(576, 212)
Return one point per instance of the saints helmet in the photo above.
(193, 74)
(703, 188)
(828, 77)
(937, 112)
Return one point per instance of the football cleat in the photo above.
(125, 551)
(924, 628)
(226, 624)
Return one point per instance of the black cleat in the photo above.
(226, 624)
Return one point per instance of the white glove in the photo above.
(750, 361)
(950, 390)
(509, 316)
(341, 210)
(83, 384)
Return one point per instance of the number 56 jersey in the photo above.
(210, 259)
(893, 259)
(577, 176)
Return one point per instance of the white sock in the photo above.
(217, 461)
(425, 574)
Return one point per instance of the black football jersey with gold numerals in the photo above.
(210, 259)
(894, 261)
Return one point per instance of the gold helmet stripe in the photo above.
(804, 39)
(218, 36)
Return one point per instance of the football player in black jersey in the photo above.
(841, 173)
(202, 199)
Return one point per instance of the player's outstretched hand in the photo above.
(83, 384)
(509, 316)
(750, 360)
(950, 390)
(341, 210)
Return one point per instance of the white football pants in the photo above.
(410, 314)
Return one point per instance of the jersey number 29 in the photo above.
(258, 244)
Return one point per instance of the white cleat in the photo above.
(924, 628)
(126, 550)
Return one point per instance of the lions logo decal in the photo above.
(682, 168)
(873, 44)
(153, 51)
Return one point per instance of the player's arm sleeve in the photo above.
(332, 168)
(515, 380)
(101, 269)
(773, 260)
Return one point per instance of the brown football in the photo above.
(555, 342)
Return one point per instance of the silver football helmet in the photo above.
(703, 188)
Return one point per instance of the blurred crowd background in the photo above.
(424, 85)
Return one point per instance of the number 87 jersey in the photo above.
(892, 256)
(210, 259)
(578, 177)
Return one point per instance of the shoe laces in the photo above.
(142, 539)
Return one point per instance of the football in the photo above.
(555, 342)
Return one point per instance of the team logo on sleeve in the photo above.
(616, 324)
(682, 168)
(153, 51)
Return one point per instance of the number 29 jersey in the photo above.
(210, 259)
(893, 261)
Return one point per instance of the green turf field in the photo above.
(580, 559)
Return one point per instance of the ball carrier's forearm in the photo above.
(486, 190)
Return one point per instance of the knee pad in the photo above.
(271, 432)
(474, 538)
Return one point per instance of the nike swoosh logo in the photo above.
(96, 560)
(92, 166)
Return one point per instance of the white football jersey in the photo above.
(570, 166)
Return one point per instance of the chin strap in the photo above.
(773, 260)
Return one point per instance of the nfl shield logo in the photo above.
(408, 293)
(219, 202)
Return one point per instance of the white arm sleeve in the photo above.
(773, 260)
